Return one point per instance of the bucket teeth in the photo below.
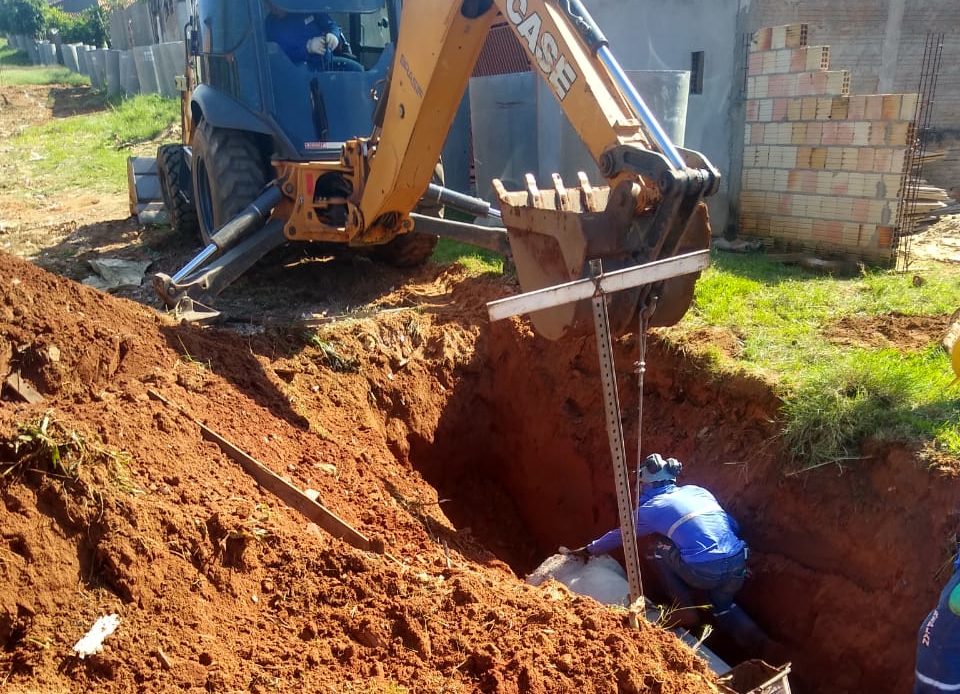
(555, 232)
(584, 198)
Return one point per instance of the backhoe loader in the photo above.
(280, 151)
(277, 151)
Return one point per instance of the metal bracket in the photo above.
(616, 281)
(611, 407)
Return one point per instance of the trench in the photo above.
(844, 566)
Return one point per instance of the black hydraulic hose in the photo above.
(251, 217)
(465, 203)
(588, 29)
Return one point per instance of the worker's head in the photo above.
(656, 471)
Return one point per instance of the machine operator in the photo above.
(311, 38)
(938, 644)
(696, 549)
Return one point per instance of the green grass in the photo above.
(41, 74)
(11, 56)
(15, 69)
(477, 261)
(90, 151)
(834, 396)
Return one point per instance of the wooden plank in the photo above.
(279, 487)
(23, 388)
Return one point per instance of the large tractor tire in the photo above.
(229, 171)
(176, 189)
(415, 248)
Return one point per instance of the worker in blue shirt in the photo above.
(311, 38)
(697, 549)
(938, 647)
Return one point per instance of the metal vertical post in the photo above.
(611, 406)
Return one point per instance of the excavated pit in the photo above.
(844, 564)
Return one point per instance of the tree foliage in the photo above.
(34, 18)
(22, 17)
(89, 26)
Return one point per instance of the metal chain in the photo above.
(641, 369)
(644, 321)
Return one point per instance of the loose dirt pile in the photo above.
(218, 586)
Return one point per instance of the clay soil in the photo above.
(470, 450)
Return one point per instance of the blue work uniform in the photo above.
(938, 644)
(689, 517)
(292, 32)
(698, 549)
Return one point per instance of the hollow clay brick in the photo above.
(762, 39)
(890, 110)
(909, 109)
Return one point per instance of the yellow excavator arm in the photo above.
(650, 206)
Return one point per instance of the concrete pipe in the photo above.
(93, 69)
(101, 65)
(128, 74)
(70, 60)
(112, 65)
(82, 65)
(33, 52)
(146, 69)
(170, 62)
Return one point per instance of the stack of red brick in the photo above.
(821, 168)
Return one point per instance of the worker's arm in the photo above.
(330, 31)
(613, 539)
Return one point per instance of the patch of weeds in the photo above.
(835, 396)
(331, 355)
(255, 526)
(89, 151)
(40, 74)
(48, 448)
(188, 358)
(476, 261)
(11, 56)
(413, 330)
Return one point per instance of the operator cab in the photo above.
(320, 101)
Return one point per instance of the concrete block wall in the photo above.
(881, 42)
(821, 167)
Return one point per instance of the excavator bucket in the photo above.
(555, 232)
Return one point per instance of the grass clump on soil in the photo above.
(47, 448)
(834, 395)
(476, 261)
(15, 69)
(90, 151)
(330, 354)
